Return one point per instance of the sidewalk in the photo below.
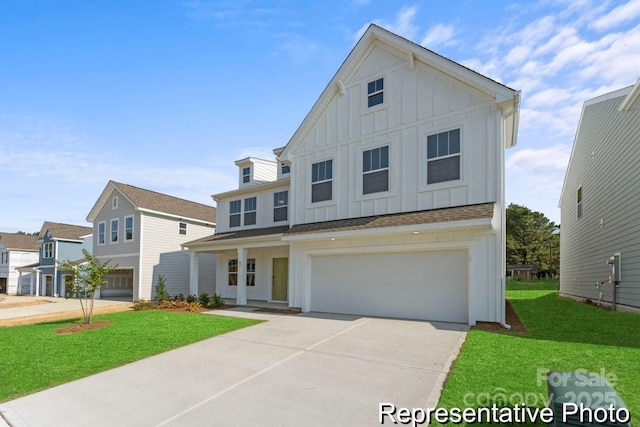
(21, 310)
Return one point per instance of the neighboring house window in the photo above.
(115, 224)
(321, 181)
(114, 203)
(251, 272)
(250, 211)
(580, 202)
(280, 206)
(443, 157)
(234, 213)
(246, 175)
(375, 92)
(233, 272)
(182, 228)
(284, 169)
(128, 228)
(47, 250)
(375, 170)
(102, 229)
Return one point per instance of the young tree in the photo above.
(87, 279)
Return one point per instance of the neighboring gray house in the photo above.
(141, 231)
(16, 250)
(58, 242)
(600, 200)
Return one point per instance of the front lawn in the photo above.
(35, 357)
(563, 335)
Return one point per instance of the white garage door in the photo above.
(412, 285)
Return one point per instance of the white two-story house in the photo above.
(388, 200)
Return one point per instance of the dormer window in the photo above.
(246, 175)
(284, 169)
(375, 92)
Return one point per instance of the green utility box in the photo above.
(581, 398)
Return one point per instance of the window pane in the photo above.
(443, 144)
(314, 172)
(447, 169)
(376, 99)
(384, 157)
(233, 265)
(432, 146)
(234, 206)
(366, 161)
(371, 87)
(321, 192)
(375, 182)
(234, 220)
(380, 84)
(280, 214)
(375, 159)
(285, 169)
(250, 204)
(250, 218)
(454, 141)
(329, 172)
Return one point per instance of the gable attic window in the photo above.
(246, 175)
(234, 213)
(375, 92)
(580, 202)
(182, 228)
(114, 202)
(375, 170)
(321, 181)
(443, 157)
(250, 211)
(284, 169)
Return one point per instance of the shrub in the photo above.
(144, 305)
(173, 304)
(204, 299)
(194, 306)
(215, 301)
(192, 298)
(179, 297)
(161, 289)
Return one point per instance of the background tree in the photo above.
(532, 239)
(87, 278)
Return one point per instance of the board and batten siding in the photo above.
(418, 102)
(604, 164)
(162, 255)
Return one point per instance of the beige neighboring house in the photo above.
(141, 231)
(16, 250)
(388, 200)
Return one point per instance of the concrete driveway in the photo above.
(311, 369)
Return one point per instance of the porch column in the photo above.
(37, 282)
(241, 297)
(32, 276)
(194, 265)
(19, 288)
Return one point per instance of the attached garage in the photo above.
(426, 285)
(119, 285)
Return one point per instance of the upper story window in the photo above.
(250, 211)
(375, 92)
(115, 225)
(234, 213)
(375, 170)
(284, 169)
(114, 202)
(322, 181)
(443, 156)
(128, 228)
(182, 228)
(580, 202)
(47, 250)
(102, 230)
(280, 206)
(246, 175)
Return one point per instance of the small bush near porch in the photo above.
(507, 368)
(35, 357)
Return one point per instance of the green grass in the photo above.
(563, 335)
(34, 357)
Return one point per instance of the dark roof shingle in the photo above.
(24, 242)
(64, 231)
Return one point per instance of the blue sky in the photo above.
(166, 94)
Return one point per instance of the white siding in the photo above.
(418, 102)
(264, 171)
(8, 270)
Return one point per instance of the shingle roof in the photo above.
(462, 213)
(155, 201)
(22, 242)
(255, 232)
(64, 231)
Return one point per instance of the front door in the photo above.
(280, 279)
(48, 286)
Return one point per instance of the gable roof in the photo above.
(503, 94)
(152, 201)
(64, 231)
(22, 242)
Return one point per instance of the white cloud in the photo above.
(621, 14)
(402, 24)
(540, 161)
(439, 35)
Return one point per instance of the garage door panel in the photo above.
(414, 285)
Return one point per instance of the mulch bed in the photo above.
(517, 327)
(278, 310)
(81, 327)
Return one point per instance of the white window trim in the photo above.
(235, 213)
(44, 250)
(334, 173)
(365, 95)
(111, 242)
(392, 168)
(133, 228)
(424, 133)
(114, 202)
(242, 224)
(281, 206)
(242, 175)
(186, 228)
(98, 233)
